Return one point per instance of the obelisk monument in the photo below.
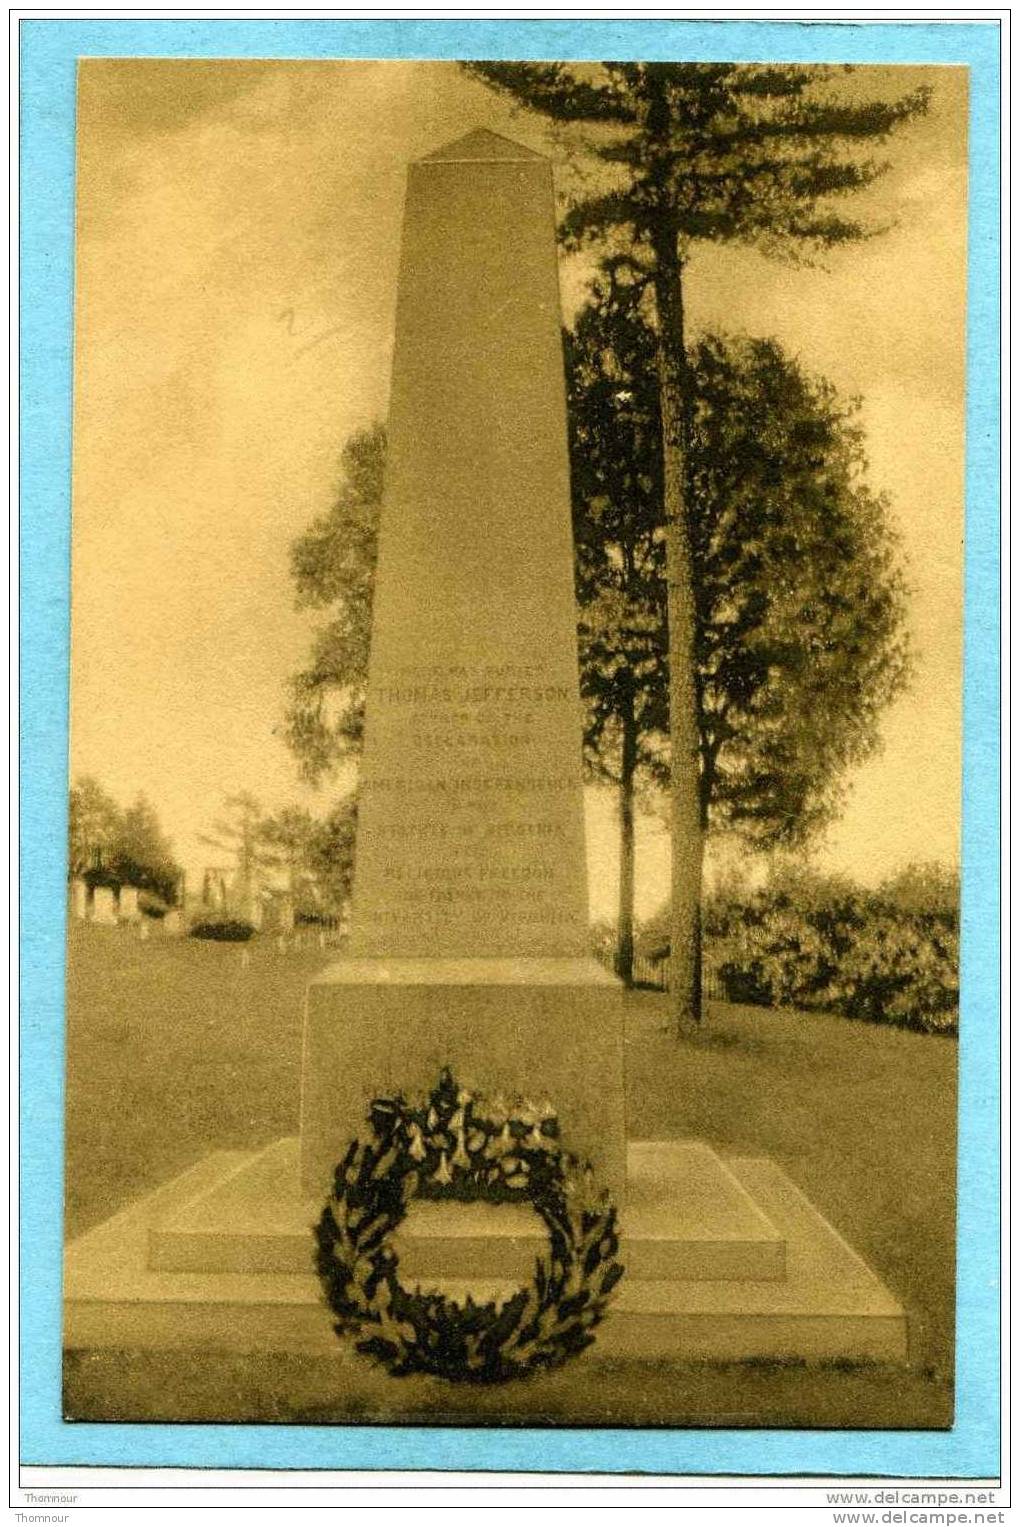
(469, 941)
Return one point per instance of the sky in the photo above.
(238, 237)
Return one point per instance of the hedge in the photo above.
(228, 930)
(886, 956)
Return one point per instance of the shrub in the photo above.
(227, 930)
(822, 943)
(901, 969)
(151, 905)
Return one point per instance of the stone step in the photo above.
(686, 1216)
(829, 1306)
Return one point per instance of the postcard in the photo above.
(505, 892)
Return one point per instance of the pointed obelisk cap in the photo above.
(480, 145)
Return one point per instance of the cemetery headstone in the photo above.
(104, 906)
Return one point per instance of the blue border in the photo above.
(49, 50)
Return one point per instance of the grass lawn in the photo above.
(176, 1049)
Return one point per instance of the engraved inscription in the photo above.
(463, 811)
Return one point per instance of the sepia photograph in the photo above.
(514, 786)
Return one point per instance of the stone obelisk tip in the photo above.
(482, 146)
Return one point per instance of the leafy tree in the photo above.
(113, 847)
(140, 855)
(333, 566)
(798, 595)
(93, 819)
(931, 888)
(284, 843)
(331, 855)
(708, 152)
(316, 853)
(800, 600)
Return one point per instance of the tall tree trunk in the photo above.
(625, 914)
(685, 814)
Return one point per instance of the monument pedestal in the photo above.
(543, 1029)
(686, 1218)
(725, 1260)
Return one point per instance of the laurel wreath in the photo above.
(456, 1145)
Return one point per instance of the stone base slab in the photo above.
(828, 1306)
(374, 1026)
(685, 1216)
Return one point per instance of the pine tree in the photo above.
(240, 835)
(705, 152)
